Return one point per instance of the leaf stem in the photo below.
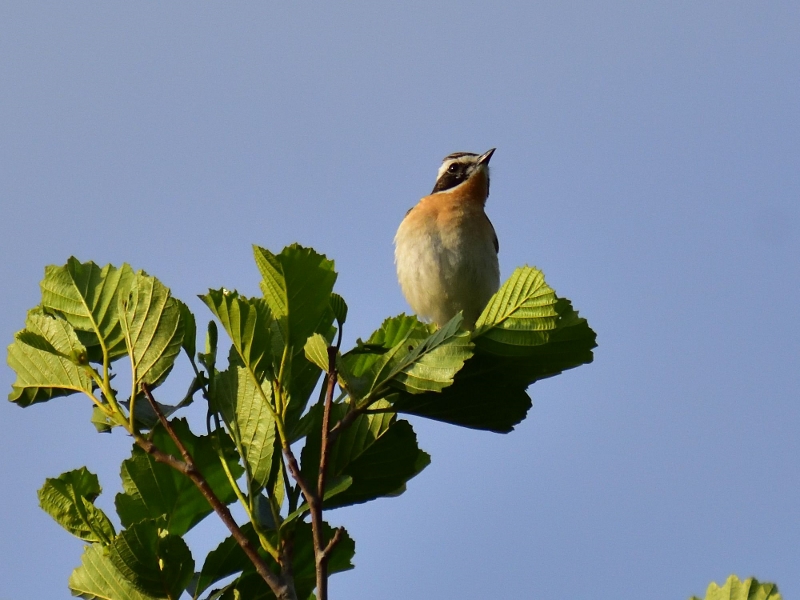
(115, 412)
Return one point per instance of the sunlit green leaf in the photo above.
(69, 499)
(303, 378)
(431, 365)
(88, 297)
(297, 285)
(519, 316)
(99, 579)
(151, 324)
(246, 412)
(49, 360)
(406, 354)
(316, 350)
(247, 322)
(735, 589)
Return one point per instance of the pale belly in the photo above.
(443, 271)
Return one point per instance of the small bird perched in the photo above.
(446, 248)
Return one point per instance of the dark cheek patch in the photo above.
(447, 181)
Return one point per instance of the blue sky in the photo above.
(648, 161)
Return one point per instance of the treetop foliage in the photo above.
(355, 446)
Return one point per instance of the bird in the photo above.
(446, 247)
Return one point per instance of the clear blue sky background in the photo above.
(648, 161)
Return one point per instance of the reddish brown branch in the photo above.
(314, 498)
(315, 508)
(337, 537)
(344, 423)
(321, 549)
(281, 588)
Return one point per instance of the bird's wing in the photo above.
(494, 235)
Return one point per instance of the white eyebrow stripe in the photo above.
(466, 159)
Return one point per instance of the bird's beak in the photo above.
(483, 159)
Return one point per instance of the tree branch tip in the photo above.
(337, 537)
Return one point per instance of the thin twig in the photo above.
(344, 423)
(337, 537)
(315, 508)
(294, 468)
(320, 546)
(321, 549)
(280, 588)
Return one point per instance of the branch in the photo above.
(280, 588)
(314, 498)
(315, 508)
(322, 550)
(337, 537)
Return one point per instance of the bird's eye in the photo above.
(453, 168)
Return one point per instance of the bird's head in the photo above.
(459, 167)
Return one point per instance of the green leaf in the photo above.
(101, 421)
(519, 316)
(332, 488)
(49, 361)
(146, 417)
(246, 412)
(88, 298)
(378, 452)
(361, 367)
(303, 378)
(151, 324)
(431, 365)
(735, 589)
(477, 400)
(209, 358)
(152, 490)
(316, 351)
(158, 565)
(303, 562)
(226, 559)
(405, 354)
(339, 308)
(226, 593)
(247, 321)
(98, 578)
(297, 285)
(569, 345)
(489, 392)
(189, 343)
(384, 468)
(69, 499)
